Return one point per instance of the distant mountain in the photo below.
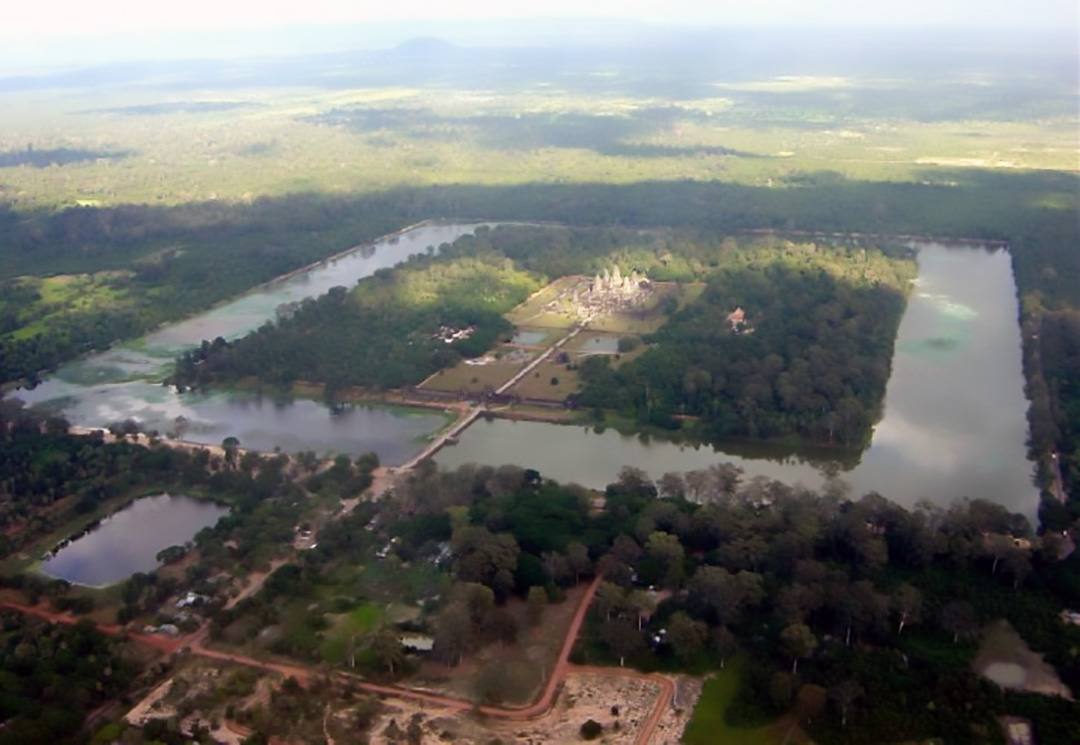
(425, 47)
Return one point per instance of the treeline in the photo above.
(201, 253)
(811, 357)
(54, 676)
(394, 328)
(869, 610)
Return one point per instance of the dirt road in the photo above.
(303, 675)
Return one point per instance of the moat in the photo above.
(954, 423)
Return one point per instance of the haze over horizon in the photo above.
(64, 33)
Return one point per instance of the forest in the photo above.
(869, 610)
(54, 676)
(817, 337)
(383, 333)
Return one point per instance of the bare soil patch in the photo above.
(1005, 658)
(584, 696)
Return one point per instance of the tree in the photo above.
(907, 601)
(635, 481)
(666, 548)
(809, 702)
(387, 648)
(555, 566)
(499, 625)
(672, 486)
(536, 600)
(626, 549)
(453, 634)
(483, 557)
(1017, 565)
(622, 638)
(959, 619)
(686, 636)
(477, 599)
(578, 557)
(609, 600)
(642, 603)
(799, 642)
(845, 694)
(997, 546)
(724, 643)
(591, 729)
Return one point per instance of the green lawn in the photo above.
(356, 623)
(707, 726)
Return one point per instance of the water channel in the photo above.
(954, 423)
(121, 383)
(130, 540)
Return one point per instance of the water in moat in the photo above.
(954, 423)
(121, 383)
(130, 540)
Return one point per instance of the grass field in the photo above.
(707, 727)
(357, 622)
(537, 384)
(68, 293)
(473, 378)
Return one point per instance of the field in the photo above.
(62, 294)
(538, 384)
(240, 142)
(707, 727)
(346, 626)
(473, 378)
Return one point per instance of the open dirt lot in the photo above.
(584, 696)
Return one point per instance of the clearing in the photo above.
(707, 727)
(1005, 658)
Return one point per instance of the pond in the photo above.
(599, 345)
(954, 423)
(130, 540)
(121, 383)
(529, 338)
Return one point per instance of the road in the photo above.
(303, 675)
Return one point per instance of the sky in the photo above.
(38, 35)
(44, 19)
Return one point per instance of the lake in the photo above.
(122, 382)
(130, 540)
(954, 423)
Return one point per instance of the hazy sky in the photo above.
(50, 18)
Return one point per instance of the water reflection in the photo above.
(129, 541)
(112, 386)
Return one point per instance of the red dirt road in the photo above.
(663, 701)
(303, 675)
